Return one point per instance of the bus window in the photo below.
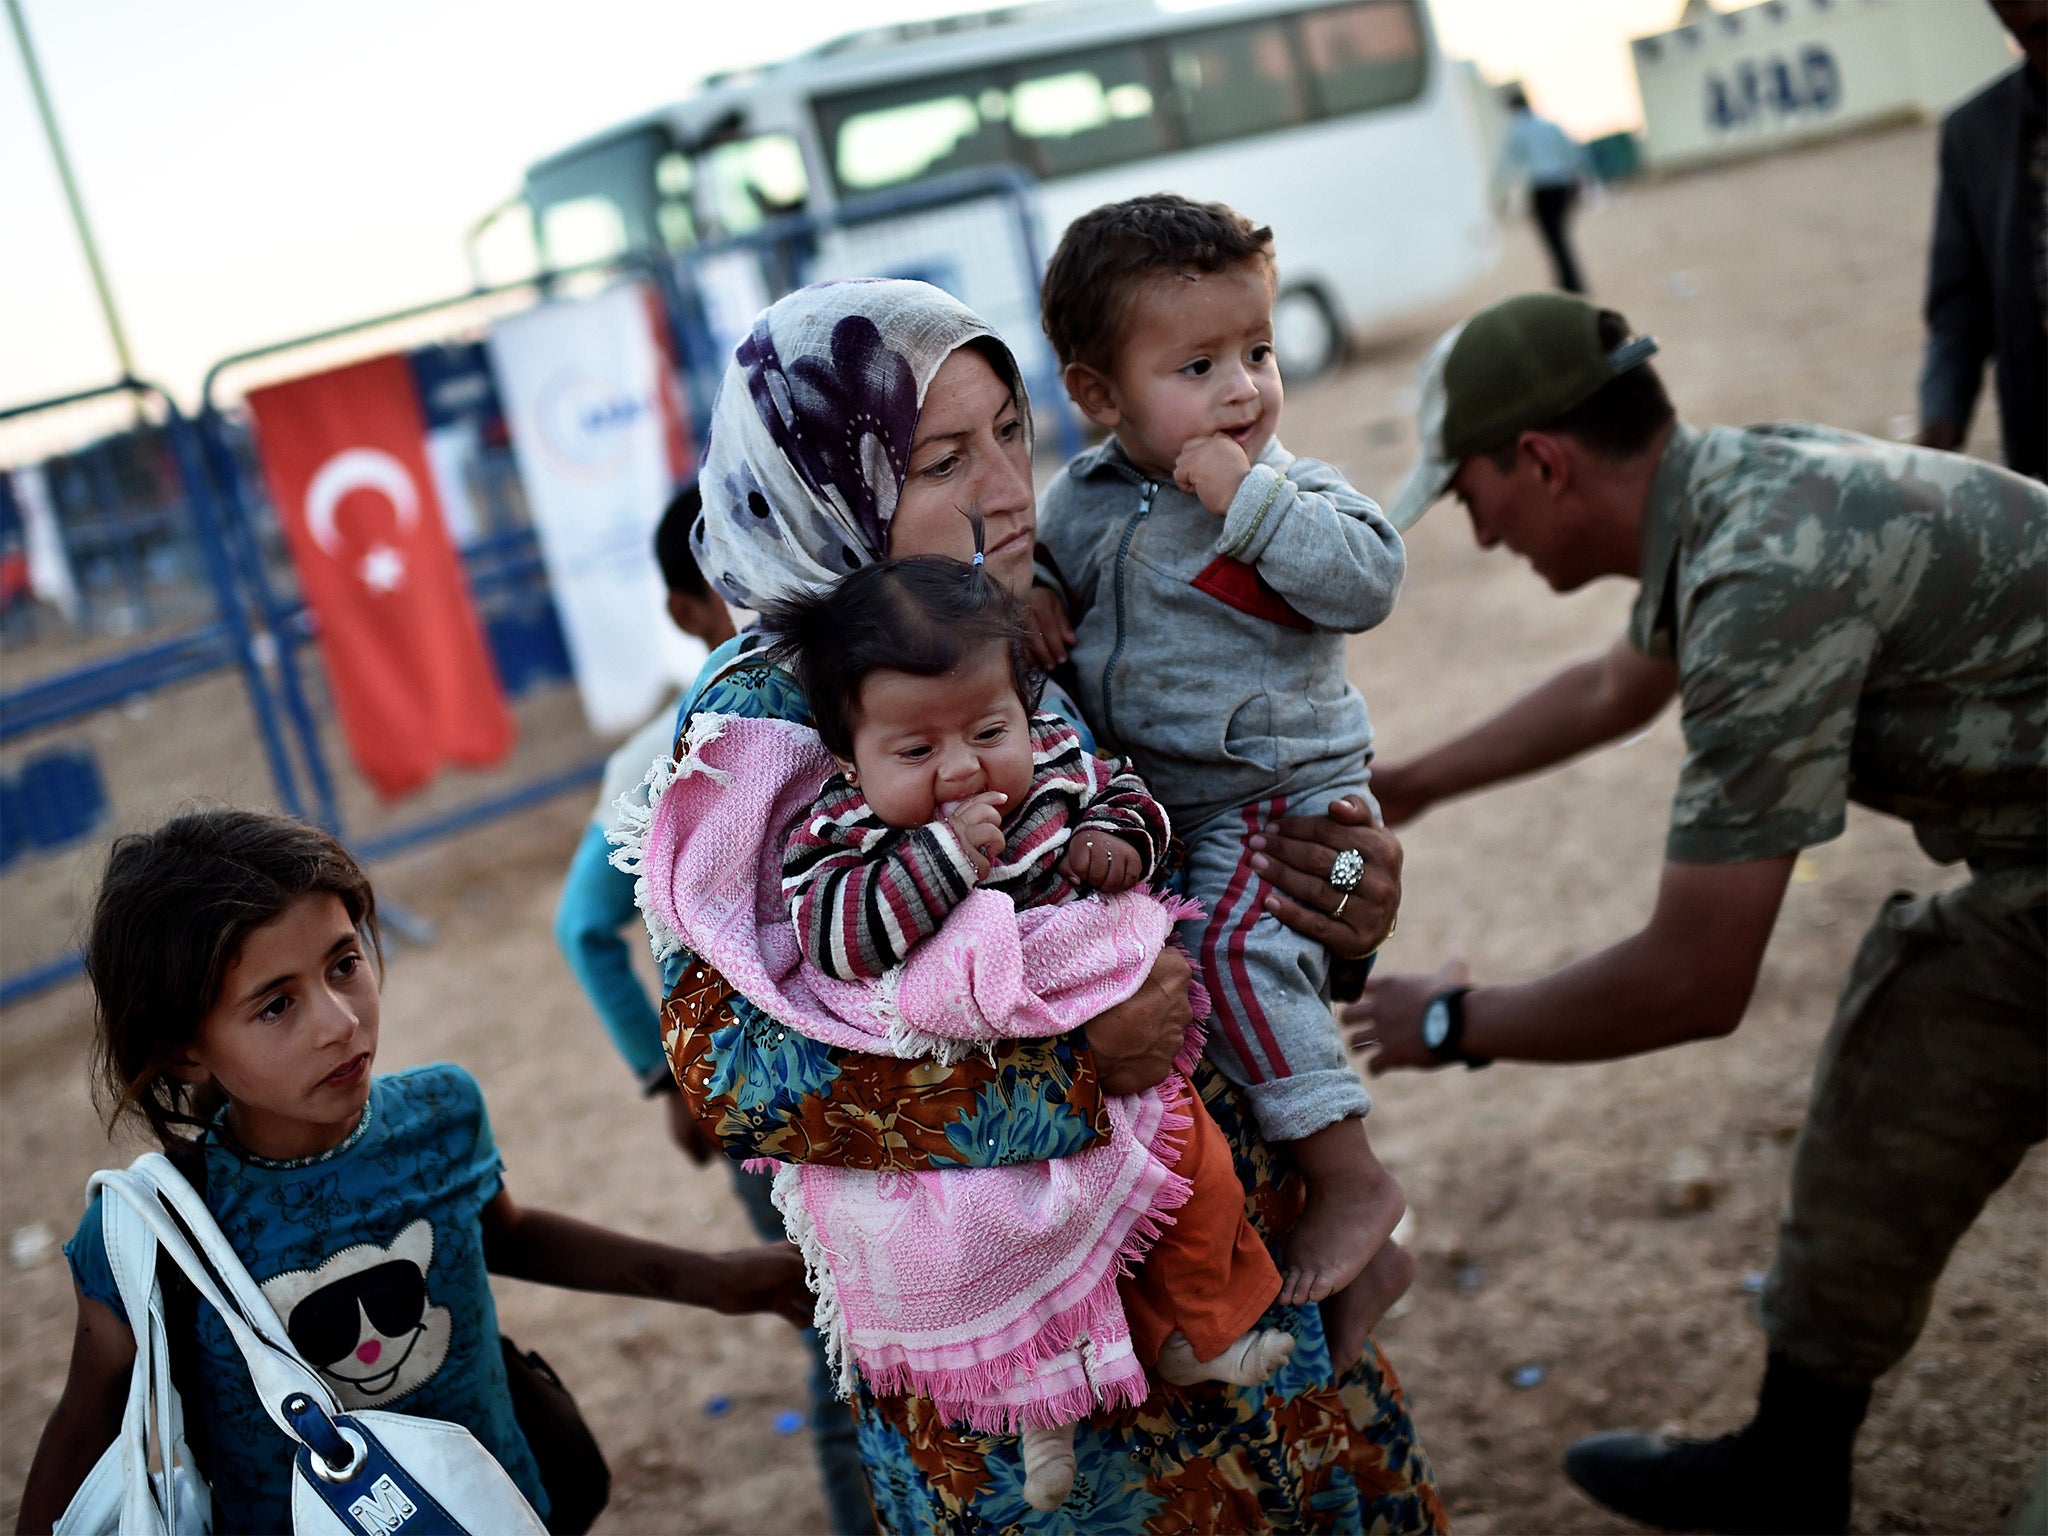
(675, 185)
(1083, 111)
(753, 180)
(1236, 81)
(597, 201)
(581, 229)
(883, 138)
(1363, 56)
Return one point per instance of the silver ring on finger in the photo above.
(1342, 897)
(1346, 870)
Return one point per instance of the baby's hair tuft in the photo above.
(924, 615)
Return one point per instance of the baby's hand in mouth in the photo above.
(1211, 469)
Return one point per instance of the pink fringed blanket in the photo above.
(990, 1291)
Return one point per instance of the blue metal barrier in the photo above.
(58, 797)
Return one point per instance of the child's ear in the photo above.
(1093, 393)
(847, 769)
(186, 1070)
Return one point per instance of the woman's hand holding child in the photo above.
(1295, 856)
(1134, 1043)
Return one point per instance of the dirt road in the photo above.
(1786, 288)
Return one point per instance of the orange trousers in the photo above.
(1209, 1274)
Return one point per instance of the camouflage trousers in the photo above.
(1932, 1085)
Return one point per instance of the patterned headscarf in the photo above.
(811, 432)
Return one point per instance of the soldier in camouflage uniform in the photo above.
(1841, 619)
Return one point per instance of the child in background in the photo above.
(597, 900)
(232, 960)
(1205, 579)
(592, 920)
(921, 688)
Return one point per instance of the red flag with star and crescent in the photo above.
(413, 683)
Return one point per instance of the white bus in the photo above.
(1338, 122)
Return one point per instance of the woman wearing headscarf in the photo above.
(858, 421)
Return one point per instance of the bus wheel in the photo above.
(1306, 336)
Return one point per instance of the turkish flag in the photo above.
(412, 679)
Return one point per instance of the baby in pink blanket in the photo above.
(949, 785)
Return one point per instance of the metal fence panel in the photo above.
(148, 695)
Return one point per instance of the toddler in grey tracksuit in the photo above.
(1210, 578)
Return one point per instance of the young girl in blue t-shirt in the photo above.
(233, 960)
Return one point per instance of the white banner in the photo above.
(596, 427)
(49, 568)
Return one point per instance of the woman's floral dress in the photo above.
(1301, 1453)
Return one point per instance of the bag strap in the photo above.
(153, 1400)
(158, 1194)
(181, 1315)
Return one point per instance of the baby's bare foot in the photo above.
(1048, 1466)
(1249, 1362)
(1350, 1316)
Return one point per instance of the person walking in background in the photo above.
(592, 920)
(1553, 164)
(1987, 266)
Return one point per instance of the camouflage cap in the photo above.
(1513, 366)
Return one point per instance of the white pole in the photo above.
(92, 255)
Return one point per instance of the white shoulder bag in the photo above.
(363, 1473)
(123, 1493)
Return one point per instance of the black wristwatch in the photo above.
(1443, 1029)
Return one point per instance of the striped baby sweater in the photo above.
(862, 893)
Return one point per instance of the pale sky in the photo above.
(257, 169)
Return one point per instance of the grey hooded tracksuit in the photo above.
(1211, 651)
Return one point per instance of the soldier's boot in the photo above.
(1785, 1472)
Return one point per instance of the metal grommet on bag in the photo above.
(327, 1472)
(337, 1455)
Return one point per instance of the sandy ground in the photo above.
(1786, 288)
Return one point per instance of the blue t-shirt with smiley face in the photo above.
(372, 1254)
